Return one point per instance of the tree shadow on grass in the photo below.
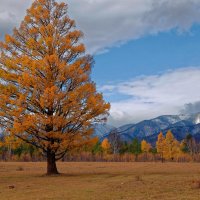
(80, 174)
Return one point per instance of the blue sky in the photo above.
(148, 55)
(147, 52)
(153, 54)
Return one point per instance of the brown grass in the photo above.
(101, 181)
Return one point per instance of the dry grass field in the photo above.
(105, 181)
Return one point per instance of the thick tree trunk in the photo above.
(51, 164)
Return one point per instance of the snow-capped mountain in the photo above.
(180, 125)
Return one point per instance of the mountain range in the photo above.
(180, 125)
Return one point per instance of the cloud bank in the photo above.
(151, 96)
(191, 108)
(108, 23)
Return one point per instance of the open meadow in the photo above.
(105, 181)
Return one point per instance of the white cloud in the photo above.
(111, 22)
(151, 96)
(107, 23)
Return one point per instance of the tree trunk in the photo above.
(51, 163)
(162, 157)
(136, 157)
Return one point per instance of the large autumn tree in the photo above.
(47, 98)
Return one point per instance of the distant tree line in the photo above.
(111, 148)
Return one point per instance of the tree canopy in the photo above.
(47, 98)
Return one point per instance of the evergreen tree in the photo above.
(135, 148)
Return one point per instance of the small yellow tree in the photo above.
(171, 146)
(145, 146)
(10, 143)
(176, 149)
(106, 145)
(160, 145)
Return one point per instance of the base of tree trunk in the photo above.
(52, 171)
(51, 164)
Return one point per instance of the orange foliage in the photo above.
(105, 145)
(172, 146)
(46, 95)
(168, 146)
(145, 146)
(160, 144)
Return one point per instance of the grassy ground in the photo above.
(105, 181)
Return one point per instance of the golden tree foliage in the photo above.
(106, 145)
(168, 146)
(145, 146)
(11, 142)
(172, 146)
(46, 96)
(160, 144)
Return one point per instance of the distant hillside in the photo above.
(102, 129)
(179, 132)
(180, 125)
